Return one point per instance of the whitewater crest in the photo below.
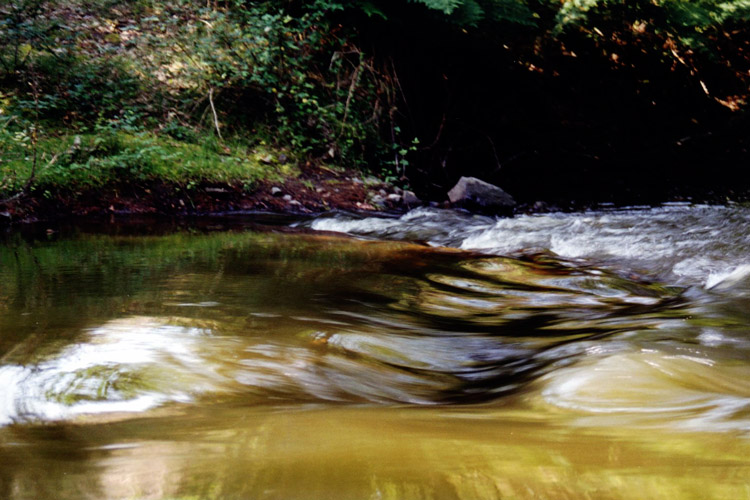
(679, 244)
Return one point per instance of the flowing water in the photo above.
(601, 355)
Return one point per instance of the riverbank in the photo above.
(187, 108)
(311, 189)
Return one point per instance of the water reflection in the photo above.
(248, 364)
(395, 453)
(680, 390)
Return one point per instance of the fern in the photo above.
(444, 6)
(471, 12)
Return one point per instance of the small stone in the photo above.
(394, 198)
(377, 199)
(295, 203)
(411, 199)
(268, 159)
(287, 197)
(276, 191)
(283, 158)
(382, 192)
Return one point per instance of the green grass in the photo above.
(117, 156)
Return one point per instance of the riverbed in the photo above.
(436, 355)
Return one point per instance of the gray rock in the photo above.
(377, 200)
(479, 196)
(287, 197)
(411, 199)
(394, 198)
(276, 191)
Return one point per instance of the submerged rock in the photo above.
(479, 196)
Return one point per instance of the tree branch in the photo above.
(213, 110)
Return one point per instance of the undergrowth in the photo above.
(89, 160)
(98, 91)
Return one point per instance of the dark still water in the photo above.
(436, 356)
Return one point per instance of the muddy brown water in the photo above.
(433, 356)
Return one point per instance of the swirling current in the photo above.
(604, 322)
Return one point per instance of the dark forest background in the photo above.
(556, 100)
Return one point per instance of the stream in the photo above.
(436, 355)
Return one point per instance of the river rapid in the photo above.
(437, 355)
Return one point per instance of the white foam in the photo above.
(687, 245)
(355, 226)
(726, 279)
(127, 365)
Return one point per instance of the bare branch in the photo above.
(213, 110)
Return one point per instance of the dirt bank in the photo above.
(315, 190)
